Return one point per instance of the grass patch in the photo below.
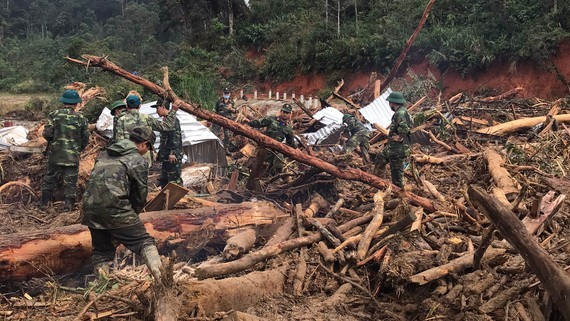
(12, 102)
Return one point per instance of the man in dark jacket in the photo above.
(67, 136)
(115, 195)
(170, 148)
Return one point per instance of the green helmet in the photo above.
(396, 97)
(345, 117)
(70, 97)
(117, 104)
(287, 108)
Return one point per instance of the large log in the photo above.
(500, 175)
(556, 281)
(261, 139)
(523, 123)
(66, 249)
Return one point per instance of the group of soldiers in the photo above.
(278, 127)
(117, 188)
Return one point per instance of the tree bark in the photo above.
(556, 281)
(500, 175)
(66, 249)
(523, 123)
(263, 140)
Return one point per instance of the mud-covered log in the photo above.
(206, 297)
(556, 281)
(373, 227)
(261, 139)
(500, 175)
(66, 249)
(239, 244)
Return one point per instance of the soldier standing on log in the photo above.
(115, 195)
(170, 148)
(67, 136)
(398, 148)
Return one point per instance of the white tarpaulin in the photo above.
(13, 136)
(193, 132)
(379, 110)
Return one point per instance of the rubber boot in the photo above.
(102, 269)
(152, 260)
(46, 198)
(69, 204)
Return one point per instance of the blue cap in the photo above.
(133, 101)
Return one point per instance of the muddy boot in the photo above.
(46, 198)
(152, 260)
(69, 204)
(102, 269)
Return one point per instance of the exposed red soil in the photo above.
(537, 81)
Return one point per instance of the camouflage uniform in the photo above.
(359, 136)
(171, 144)
(396, 152)
(67, 135)
(223, 110)
(115, 195)
(131, 119)
(278, 130)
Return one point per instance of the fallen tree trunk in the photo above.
(409, 43)
(500, 175)
(204, 298)
(523, 123)
(66, 249)
(263, 140)
(556, 281)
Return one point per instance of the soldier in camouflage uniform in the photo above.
(67, 136)
(170, 149)
(118, 109)
(278, 129)
(398, 148)
(132, 119)
(115, 195)
(358, 136)
(224, 107)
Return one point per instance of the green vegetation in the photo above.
(205, 52)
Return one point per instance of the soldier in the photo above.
(132, 119)
(278, 128)
(67, 136)
(358, 136)
(115, 195)
(398, 148)
(170, 149)
(118, 109)
(224, 107)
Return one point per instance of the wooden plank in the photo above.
(166, 198)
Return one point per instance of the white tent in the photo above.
(200, 144)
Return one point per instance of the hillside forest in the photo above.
(210, 44)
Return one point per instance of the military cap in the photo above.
(396, 97)
(133, 101)
(161, 102)
(287, 108)
(345, 117)
(144, 134)
(117, 104)
(70, 97)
